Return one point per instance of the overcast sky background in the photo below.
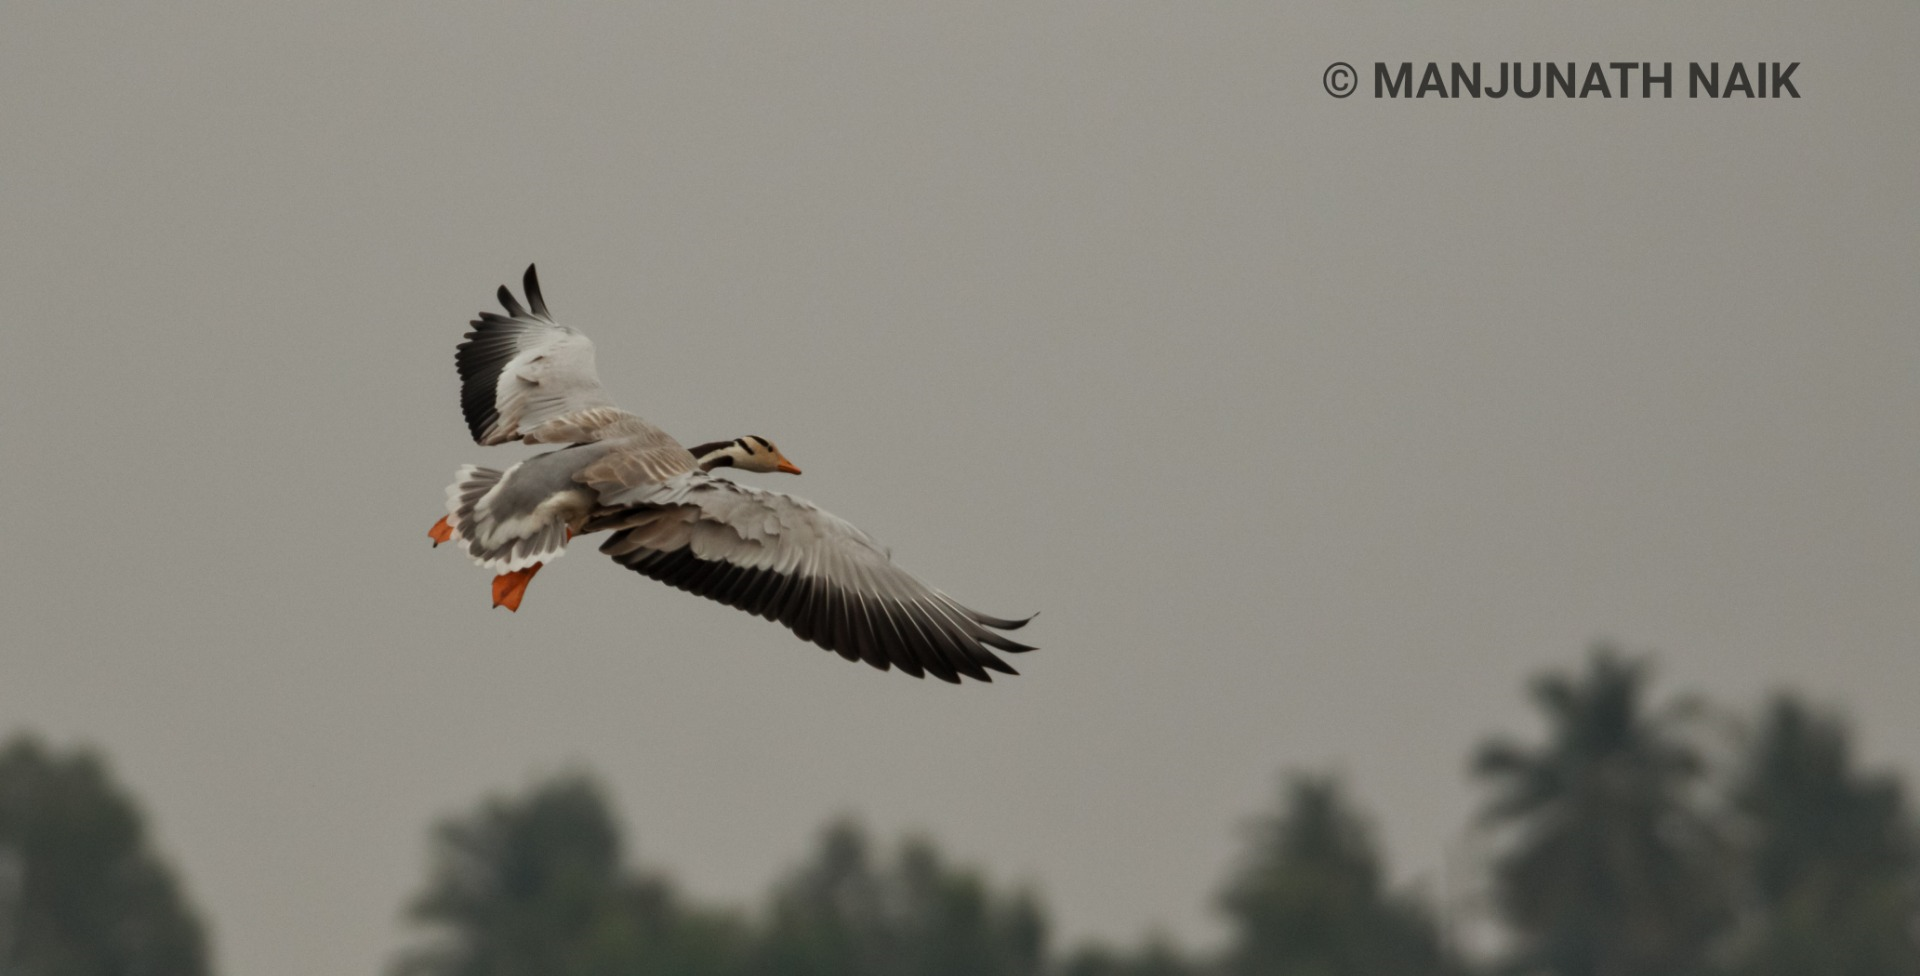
(1312, 427)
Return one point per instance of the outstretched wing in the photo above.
(524, 376)
(784, 559)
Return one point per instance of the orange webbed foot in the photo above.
(441, 532)
(509, 588)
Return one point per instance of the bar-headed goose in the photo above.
(526, 377)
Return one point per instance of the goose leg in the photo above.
(509, 588)
(441, 532)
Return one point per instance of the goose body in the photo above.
(525, 377)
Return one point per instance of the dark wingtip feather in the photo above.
(531, 283)
(1003, 643)
(511, 304)
(998, 665)
(996, 623)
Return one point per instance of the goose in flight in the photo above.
(525, 377)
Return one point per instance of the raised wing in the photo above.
(786, 560)
(525, 377)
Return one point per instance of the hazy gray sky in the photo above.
(1311, 426)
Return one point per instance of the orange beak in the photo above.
(786, 465)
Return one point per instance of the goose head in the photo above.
(749, 453)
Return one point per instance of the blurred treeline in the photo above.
(1634, 838)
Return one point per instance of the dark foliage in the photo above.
(80, 892)
(1618, 849)
(1309, 899)
(1829, 856)
(535, 885)
(848, 912)
(1609, 867)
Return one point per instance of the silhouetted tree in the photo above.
(535, 886)
(1606, 863)
(844, 913)
(1830, 855)
(1309, 898)
(80, 892)
(1609, 869)
(1157, 956)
